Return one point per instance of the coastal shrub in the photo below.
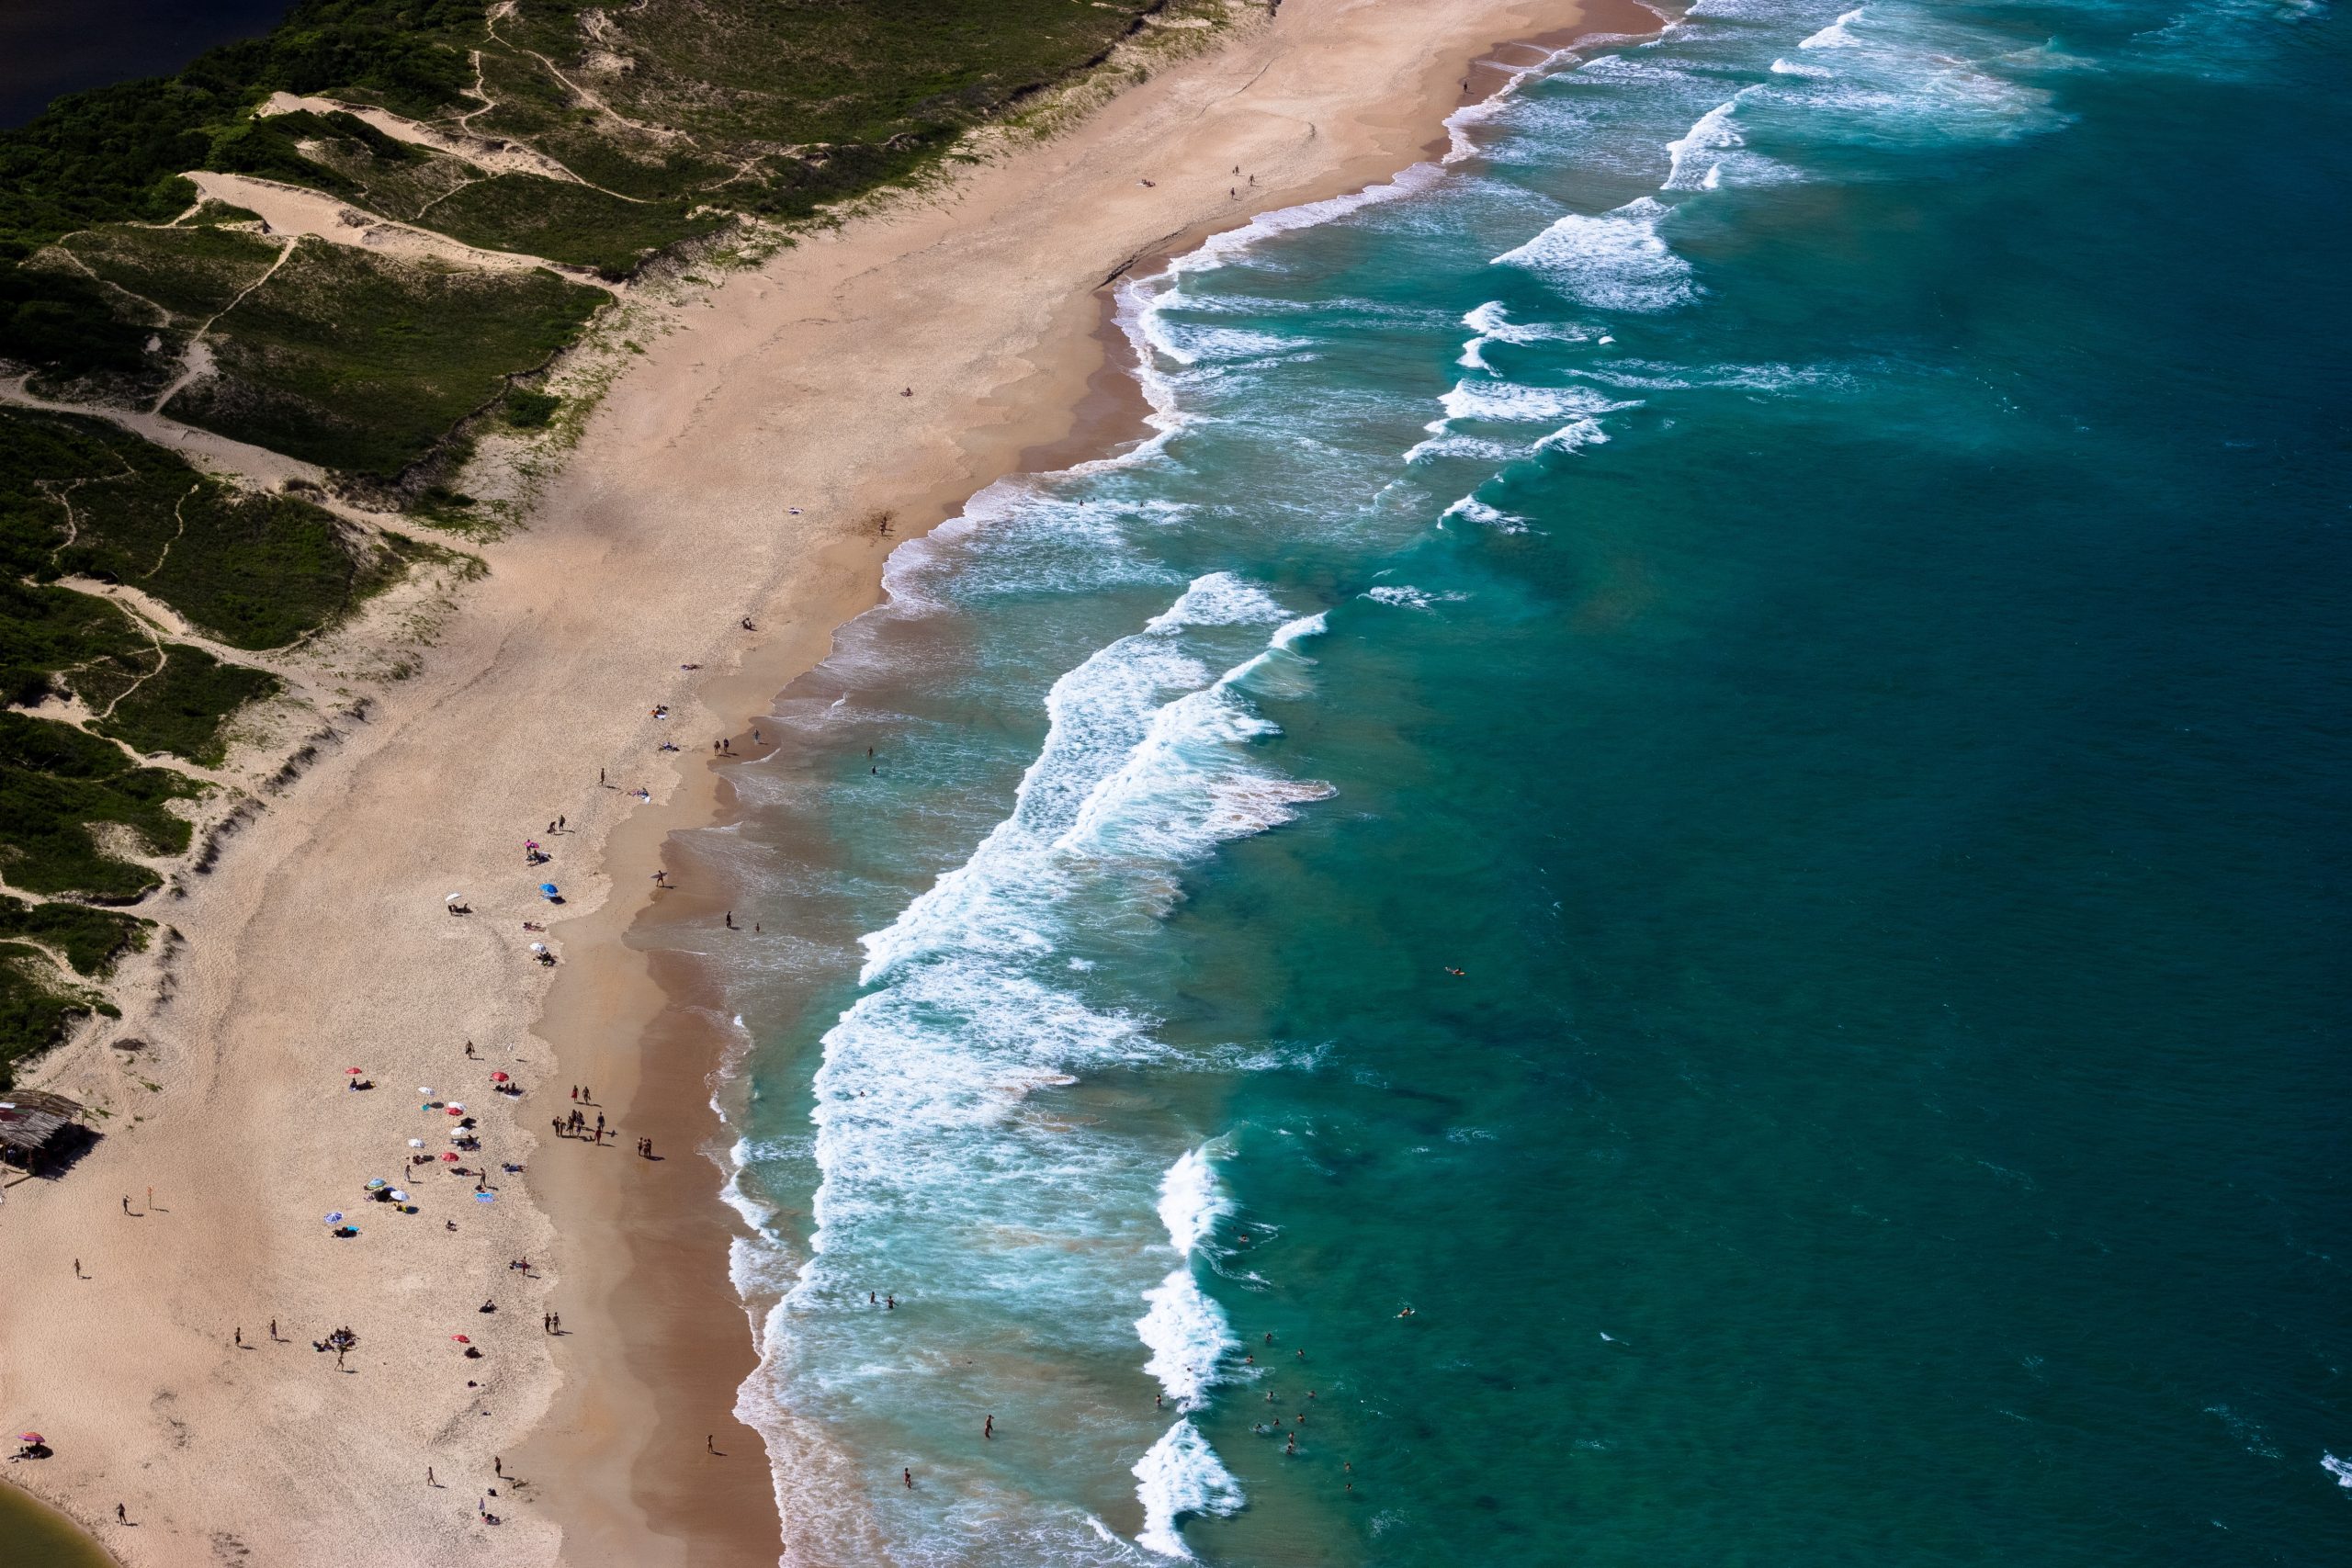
(182, 706)
(360, 362)
(68, 325)
(68, 800)
(527, 409)
(576, 224)
(80, 496)
(45, 630)
(35, 1012)
(193, 273)
(89, 939)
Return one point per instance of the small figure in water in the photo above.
(910, 1476)
(988, 1428)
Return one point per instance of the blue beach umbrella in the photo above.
(485, 1197)
(547, 890)
(336, 1218)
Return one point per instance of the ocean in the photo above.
(1665, 883)
(52, 47)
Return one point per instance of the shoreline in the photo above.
(680, 1010)
(732, 472)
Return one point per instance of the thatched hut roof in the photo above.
(30, 1121)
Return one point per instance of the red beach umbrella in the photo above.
(353, 1072)
(498, 1078)
(461, 1339)
(448, 1159)
(28, 1436)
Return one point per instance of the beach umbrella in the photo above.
(376, 1184)
(336, 1218)
(498, 1078)
(538, 947)
(416, 1143)
(425, 1089)
(28, 1436)
(351, 1072)
(456, 1105)
(448, 1159)
(485, 1197)
(547, 889)
(461, 1339)
(398, 1196)
(455, 898)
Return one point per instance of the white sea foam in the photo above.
(1573, 412)
(1470, 509)
(1187, 1335)
(1492, 323)
(1179, 1477)
(1837, 34)
(1191, 1201)
(2338, 1467)
(1404, 596)
(1613, 261)
(1697, 154)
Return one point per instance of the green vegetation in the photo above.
(37, 1004)
(576, 224)
(362, 361)
(73, 803)
(177, 703)
(191, 275)
(89, 939)
(81, 497)
(527, 409)
(36, 1008)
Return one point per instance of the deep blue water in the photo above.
(52, 47)
(1691, 822)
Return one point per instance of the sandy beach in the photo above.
(743, 469)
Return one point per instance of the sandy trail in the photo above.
(320, 942)
(291, 209)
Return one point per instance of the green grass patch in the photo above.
(361, 363)
(80, 496)
(35, 1010)
(182, 708)
(527, 409)
(45, 630)
(90, 940)
(191, 273)
(66, 798)
(563, 222)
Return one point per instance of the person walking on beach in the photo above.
(126, 1202)
(428, 1477)
(121, 1514)
(273, 1331)
(78, 1268)
(238, 1339)
(710, 1443)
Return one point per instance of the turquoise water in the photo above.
(1712, 751)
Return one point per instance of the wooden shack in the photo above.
(34, 1125)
